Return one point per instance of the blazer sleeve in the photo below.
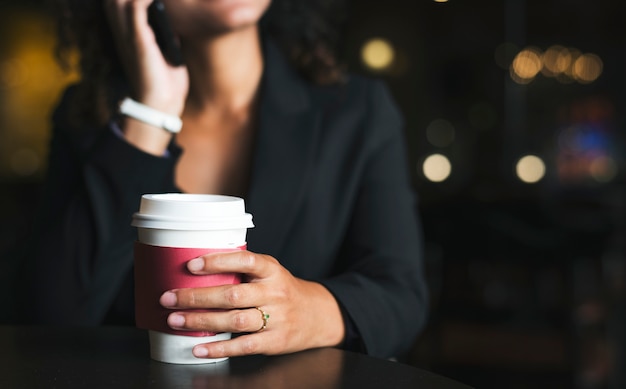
(382, 287)
(81, 246)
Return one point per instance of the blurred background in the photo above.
(515, 124)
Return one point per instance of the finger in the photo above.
(118, 14)
(125, 16)
(220, 297)
(140, 11)
(235, 321)
(129, 24)
(138, 19)
(256, 343)
(242, 261)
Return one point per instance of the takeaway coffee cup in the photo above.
(173, 228)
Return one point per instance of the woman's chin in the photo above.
(217, 16)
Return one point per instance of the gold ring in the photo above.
(265, 316)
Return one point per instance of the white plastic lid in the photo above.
(182, 211)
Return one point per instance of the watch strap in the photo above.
(151, 116)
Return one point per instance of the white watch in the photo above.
(141, 112)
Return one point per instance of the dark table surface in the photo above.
(118, 357)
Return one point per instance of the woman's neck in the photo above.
(224, 71)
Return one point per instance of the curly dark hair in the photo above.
(309, 32)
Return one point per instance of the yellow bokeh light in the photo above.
(13, 74)
(378, 54)
(565, 64)
(526, 64)
(517, 79)
(32, 78)
(556, 60)
(568, 75)
(436, 168)
(587, 68)
(530, 169)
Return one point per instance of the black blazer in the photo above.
(329, 194)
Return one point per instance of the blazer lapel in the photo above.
(284, 153)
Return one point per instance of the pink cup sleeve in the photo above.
(158, 269)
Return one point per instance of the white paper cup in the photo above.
(173, 228)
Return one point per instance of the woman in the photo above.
(318, 157)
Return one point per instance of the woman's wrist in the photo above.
(329, 324)
(146, 137)
(147, 128)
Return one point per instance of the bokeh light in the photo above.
(530, 169)
(568, 76)
(526, 65)
(440, 133)
(556, 59)
(566, 65)
(13, 74)
(378, 54)
(603, 169)
(587, 68)
(31, 82)
(436, 168)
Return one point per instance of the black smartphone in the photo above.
(170, 47)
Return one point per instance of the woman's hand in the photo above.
(154, 82)
(302, 314)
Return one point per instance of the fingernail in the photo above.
(200, 352)
(175, 320)
(168, 299)
(195, 264)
